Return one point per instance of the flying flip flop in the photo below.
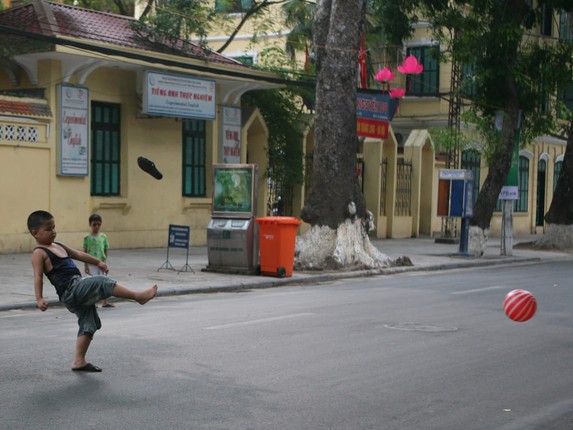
(148, 166)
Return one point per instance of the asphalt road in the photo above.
(412, 351)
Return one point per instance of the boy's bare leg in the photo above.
(82, 345)
(141, 297)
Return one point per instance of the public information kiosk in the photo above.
(456, 199)
(232, 233)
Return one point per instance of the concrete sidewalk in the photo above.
(138, 269)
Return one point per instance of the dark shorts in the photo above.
(81, 297)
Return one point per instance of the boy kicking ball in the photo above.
(78, 294)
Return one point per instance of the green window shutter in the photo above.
(194, 169)
(105, 162)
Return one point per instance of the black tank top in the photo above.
(63, 271)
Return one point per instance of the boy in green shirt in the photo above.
(96, 244)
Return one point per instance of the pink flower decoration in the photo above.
(411, 66)
(396, 93)
(384, 75)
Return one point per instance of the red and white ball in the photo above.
(520, 305)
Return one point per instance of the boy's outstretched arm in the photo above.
(38, 266)
(76, 254)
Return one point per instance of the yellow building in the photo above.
(73, 169)
(82, 97)
(400, 173)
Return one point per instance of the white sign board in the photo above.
(230, 135)
(509, 192)
(456, 174)
(73, 131)
(178, 96)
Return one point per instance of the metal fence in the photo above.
(403, 188)
(280, 199)
(403, 185)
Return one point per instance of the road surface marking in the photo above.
(478, 290)
(258, 321)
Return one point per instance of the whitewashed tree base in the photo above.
(477, 241)
(556, 236)
(346, 248)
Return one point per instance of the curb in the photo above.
(309, 279)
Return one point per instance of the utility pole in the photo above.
(449, 224)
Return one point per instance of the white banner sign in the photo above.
(509, 192)
(73, 134)
(455, 174)
(230, 135)
(178, 96)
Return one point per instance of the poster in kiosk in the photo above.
(232, 239)
(456, 199)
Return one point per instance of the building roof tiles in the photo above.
(22, 108)
(56, 19)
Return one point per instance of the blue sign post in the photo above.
(178, 238)
(456, 199)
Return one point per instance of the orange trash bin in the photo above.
(277, 237)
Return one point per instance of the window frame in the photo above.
(105, 162)
(546, 20)
(427, 82)
(468, 80)
(522, 204)
(194, 158)
(566, 98)
(565, 25)
(557, 167)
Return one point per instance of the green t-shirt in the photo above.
(96, 245)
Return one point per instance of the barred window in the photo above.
(522, 204)
(194, 158)
(557, 172)
(105, 151)
(403, 188)
(426, 83)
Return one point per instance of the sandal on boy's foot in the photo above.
(148, 166)
(108, 305)
(87, 368)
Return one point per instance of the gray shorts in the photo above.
(81, 297)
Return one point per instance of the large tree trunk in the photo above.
(559, 218)
(337, 31)
(508, 46)
(335, 206)
(561, 209)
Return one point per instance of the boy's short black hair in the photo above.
(37, 218)
(95, 217)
